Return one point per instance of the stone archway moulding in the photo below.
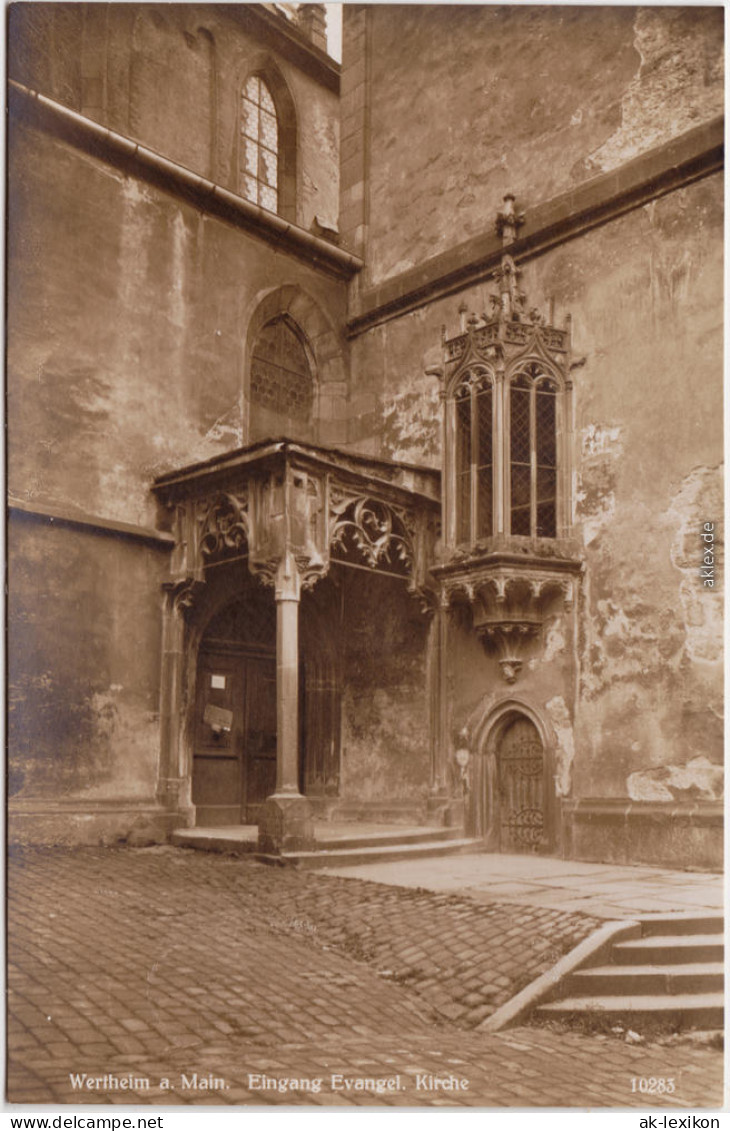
(486, 727)
(325, 349)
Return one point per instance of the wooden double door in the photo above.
(234, 755)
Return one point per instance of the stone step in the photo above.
(244, 838)
(682, 923)
(692, 978)
(678, 1010)
(347, 857)
(661, 950)
(391, 837)
(217, 840)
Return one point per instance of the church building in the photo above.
(365, 424)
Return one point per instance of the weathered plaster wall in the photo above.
(83, 665)
(638, 705)
(546, 685)
(169, 76)
(649, 455)
(128, 314)
(454, 106)
(385, 738)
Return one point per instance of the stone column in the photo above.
(285, 821)
(439, 798)
(172, 780)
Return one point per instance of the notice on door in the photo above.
(218, 717)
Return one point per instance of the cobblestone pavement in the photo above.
(242, 984)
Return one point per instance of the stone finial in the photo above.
(312, 21)
(508, 221)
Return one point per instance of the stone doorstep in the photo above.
(339, 848)
(382, 853)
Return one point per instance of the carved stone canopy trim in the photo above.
(285, 500)
(183, 594)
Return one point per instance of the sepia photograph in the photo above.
(365, 557)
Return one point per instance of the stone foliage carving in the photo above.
(222, 524)
(375, 530)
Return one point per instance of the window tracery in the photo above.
(281, 377)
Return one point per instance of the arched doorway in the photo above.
(234, 728)
(521, 787)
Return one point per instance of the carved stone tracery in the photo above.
(222, 523)
(374, 530)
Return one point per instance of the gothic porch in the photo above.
(313, 528)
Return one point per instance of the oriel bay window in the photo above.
(503, 436)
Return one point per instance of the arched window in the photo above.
(259, 147)
(281, 387)
(474, 444)
(533, 453)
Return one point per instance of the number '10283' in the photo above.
(652, 1085)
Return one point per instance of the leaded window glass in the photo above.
(259, 147)
(533, 454)
(474, 473)
(281, 379)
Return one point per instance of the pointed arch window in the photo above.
(259, 148)
(533, 453)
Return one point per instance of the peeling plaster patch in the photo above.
(698, 500)
(601, 449)
(597, 440)
(671, 92)
(554, 641)
(565, 752)
(411, 422)
(228, 425)
(177, 281)
(699, 778)
(624, 642)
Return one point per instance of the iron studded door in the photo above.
(521, 788)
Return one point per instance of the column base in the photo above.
(285, 824)
(455, 814)
(436, 807)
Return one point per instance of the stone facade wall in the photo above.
(630, 683)
(385, 709)
(128, 314)
(170, 77)
(84, 670)
(445, 108)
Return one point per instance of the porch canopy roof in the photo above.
(317, 504)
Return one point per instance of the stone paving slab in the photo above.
(161, 963)
(607, 891)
